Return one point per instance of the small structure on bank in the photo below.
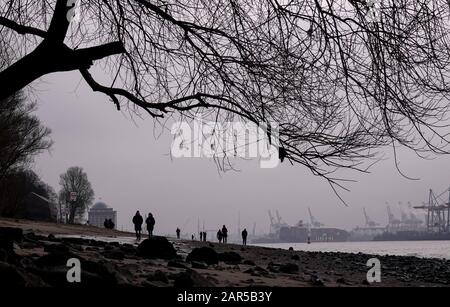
(99, 212)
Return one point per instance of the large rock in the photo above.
(191, 278)
(230, 257)
(204, 254)
(58, 254)
(15, 234)
(158, 276)
(249, 262)
(156, 247)
(289, 268)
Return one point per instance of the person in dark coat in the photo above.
(204, 236)
(111, 224)
(224, 234)
(150, 221)
(137, 221)
(219, 236)
(244, 237)
(178, 233)
(105, 223)
(201, 236)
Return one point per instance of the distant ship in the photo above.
(300, 233)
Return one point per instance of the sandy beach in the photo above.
(40, 251)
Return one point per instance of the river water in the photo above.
(423, 249)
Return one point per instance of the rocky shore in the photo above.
(36, 254)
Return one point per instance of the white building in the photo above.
(99, 212)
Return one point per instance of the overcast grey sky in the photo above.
(130, 169)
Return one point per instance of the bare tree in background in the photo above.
(75, 180)
(339, 82)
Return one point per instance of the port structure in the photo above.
(276, 223)
(369, 222)
(314, 222)
(438, 213)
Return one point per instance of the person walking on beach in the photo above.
(224, 234)
(178, 233)
(193, 237)
(137, 221)
(201, 236)
(204, 236)
(244, 237)
(219, 236)
(150, 221)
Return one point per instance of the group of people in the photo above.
(109, 224)
(138, 220)
(203, 236)
(222, 235)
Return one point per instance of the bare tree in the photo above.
(75, 180)
(339, 82)
(22, 136)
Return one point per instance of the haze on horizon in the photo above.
(128, 162)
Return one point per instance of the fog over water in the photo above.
(128, 163)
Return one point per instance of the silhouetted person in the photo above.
(137, 221)
(219, 236)
(193, 237)
(204, 236)
(150, 221)
(111, 224)
(244, 237)
(178, 233)
(224, 234)
(105, 223)
(201, 236)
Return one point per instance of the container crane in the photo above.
(314, 222)
(369, 222)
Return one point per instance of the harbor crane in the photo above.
(276, 224)
(392, 220)
(438, 215)
(369, 222)
(314, 222)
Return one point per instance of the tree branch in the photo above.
(21, 29)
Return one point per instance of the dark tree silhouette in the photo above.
(22, 136)
(75, 180)
(339, 82)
